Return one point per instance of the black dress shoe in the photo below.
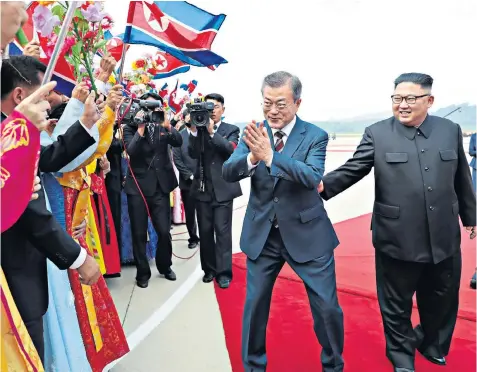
(142, 283)
(193, 245)
(441, 361)
(170, 275)
(224, 283)
(473, 283)
(208, 278)
(397, 369)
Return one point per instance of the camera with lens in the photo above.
(200, 112)
(129, 109)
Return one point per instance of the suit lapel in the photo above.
(293, 141)
(296, 138)
(221, 129)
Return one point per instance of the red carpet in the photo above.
(291, 342)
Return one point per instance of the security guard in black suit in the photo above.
(214, 201)
(149, 156)
(422, 186)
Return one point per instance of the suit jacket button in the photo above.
(429, 188)
(275, 199)
(423, 150)
(426, 169)
(431, 208)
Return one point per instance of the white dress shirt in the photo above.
(287, 129)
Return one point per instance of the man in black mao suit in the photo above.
(422, 186)
(215, 199)
(37, 235)
(148, 150)
(187, 167)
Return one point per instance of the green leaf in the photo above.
(59, 11)
(78, 13)
(77, 48)
(100, 44)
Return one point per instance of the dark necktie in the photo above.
(150, 131)
(279, 144)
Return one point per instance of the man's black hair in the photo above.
(20, 71)
(215, 96)
(425, 81)
(58, 111)
(156, 96)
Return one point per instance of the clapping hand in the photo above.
(114, 97)
(90, 113)
(257, 140)
(32, 49)
(80, 92)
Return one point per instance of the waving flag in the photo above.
(114, 45)
(176, 27)
(63, 74)
(169, 66)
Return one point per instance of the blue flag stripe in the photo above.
(190, 15)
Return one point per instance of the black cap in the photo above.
(156, 96)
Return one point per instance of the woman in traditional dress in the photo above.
(64, 348)
(100, 326)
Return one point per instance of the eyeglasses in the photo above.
(280, 105)
(409, 99)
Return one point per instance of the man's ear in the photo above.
(18, 95)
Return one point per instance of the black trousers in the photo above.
(35, 329)
(160, 209)
(215, 252)
(190, 208)
(435, 288)
(114, 197)
(440, 348)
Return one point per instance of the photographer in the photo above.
(147, 145)
(211, 143)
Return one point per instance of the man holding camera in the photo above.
(149, 185)
(212, 142)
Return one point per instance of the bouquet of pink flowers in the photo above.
(85, 36)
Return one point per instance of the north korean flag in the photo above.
(176, 27)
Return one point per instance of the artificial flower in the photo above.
(70, 41)
(140, 63)
(112, 79)
(94, 12)
(46, 3)
(45, 21)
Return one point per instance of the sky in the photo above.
(346, 53)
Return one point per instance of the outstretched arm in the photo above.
(353, 170)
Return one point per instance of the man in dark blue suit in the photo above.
(285, 220)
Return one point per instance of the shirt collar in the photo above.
(287, 128)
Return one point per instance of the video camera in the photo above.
(150, 116)
(200, 112)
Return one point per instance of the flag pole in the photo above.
(59, 43)
(121, 65)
